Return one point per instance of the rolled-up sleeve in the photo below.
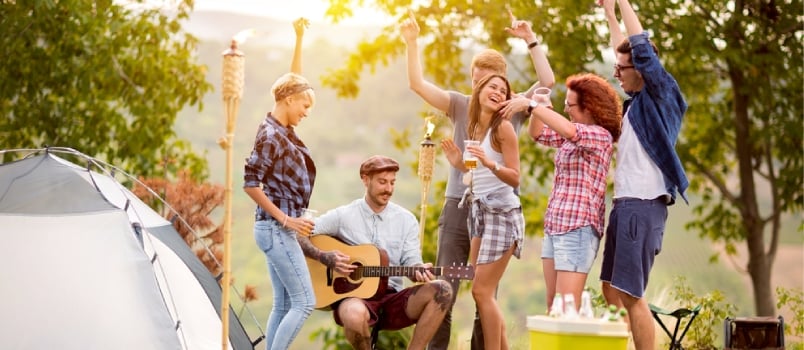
(259, 161)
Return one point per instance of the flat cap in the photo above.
(375, 164)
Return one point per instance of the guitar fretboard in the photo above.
(382, 271)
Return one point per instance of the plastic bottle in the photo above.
(614, 314)
(557, 309)
(570, 312)
(610, 313)
(586, 310)
(621, 314)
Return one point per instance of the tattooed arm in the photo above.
(332, 258)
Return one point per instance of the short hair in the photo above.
(596, 95)
(291, 84)
(490, 59)
(625, 47)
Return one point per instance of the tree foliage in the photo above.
(107, 78)
(738, 62)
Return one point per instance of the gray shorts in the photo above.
(573, 251)
(633, 239)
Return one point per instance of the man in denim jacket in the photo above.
(648, 173)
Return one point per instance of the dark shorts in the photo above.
(633, 239)
(392, 306)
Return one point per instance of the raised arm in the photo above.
(632, 25)
(536, 126)
(554, 121)
(521, 29)
(298, 26)
(616, 34)
(433, 95)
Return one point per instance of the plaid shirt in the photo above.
(282, 164)
(579, 187)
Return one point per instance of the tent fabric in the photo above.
(64, 287)
(79, 277)
(43, 185)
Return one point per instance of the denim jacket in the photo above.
(656, 113)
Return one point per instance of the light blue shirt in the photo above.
(395, 230)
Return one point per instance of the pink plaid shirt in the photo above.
(579, 188)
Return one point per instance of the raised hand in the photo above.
(520, 29)
(608, 5)
(409, 28)
(300, 25)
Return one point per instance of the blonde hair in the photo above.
(291, 84)
(491, 60)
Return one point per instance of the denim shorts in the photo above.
(574, 251)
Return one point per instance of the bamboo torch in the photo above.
(232, 82)
(426, 163)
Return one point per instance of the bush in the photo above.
(334, 338)
(794, 300)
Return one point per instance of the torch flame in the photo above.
(430, 127)
(243, 35)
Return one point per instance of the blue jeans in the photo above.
(293, 291)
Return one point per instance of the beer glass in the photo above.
(469, 160)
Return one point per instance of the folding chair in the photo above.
(678, 314)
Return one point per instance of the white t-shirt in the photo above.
(636, 175)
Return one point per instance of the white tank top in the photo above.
(636, 175)
(484, 179)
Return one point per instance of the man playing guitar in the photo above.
(375, 220)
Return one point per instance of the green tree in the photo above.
(104, 77)
(738, 62)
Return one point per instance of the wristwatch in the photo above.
(496, 167)
(533, 104)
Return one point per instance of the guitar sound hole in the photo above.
(357, 273)
(343, 285)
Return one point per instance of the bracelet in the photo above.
(285, 222)
(533, 44)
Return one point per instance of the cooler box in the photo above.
(547, 333)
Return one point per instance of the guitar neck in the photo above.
(385, 271)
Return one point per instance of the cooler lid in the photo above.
(577, 326)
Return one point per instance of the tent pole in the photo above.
(232, 81)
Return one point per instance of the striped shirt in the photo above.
(579, 188)
(282, 164)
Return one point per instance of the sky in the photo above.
(290, 10)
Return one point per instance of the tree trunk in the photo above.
(759, 263)
(759, 268)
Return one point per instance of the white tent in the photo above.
(87, 265)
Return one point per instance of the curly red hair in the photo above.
(596, 95)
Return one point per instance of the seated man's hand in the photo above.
(424, 274)
(337, 261)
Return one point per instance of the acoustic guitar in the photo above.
(369, 278)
